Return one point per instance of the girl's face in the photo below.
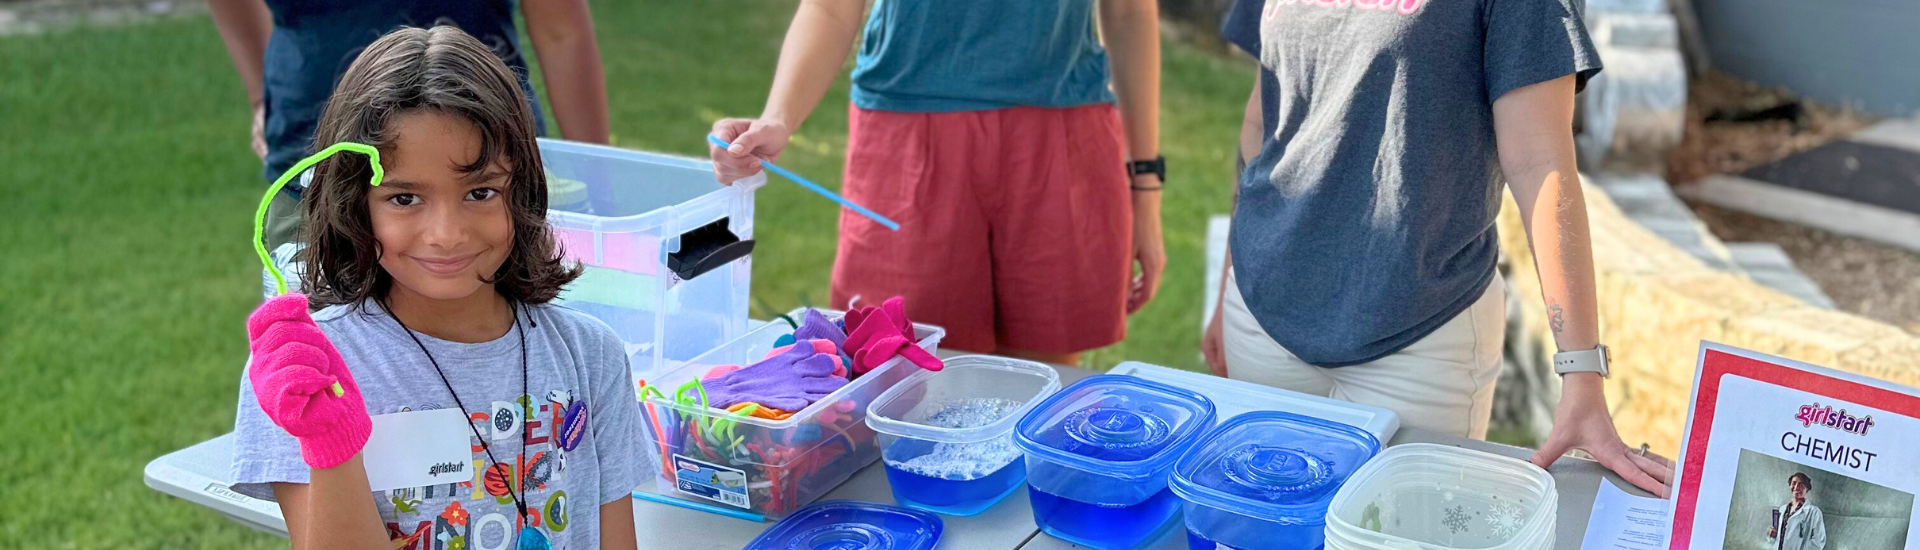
(441, 231)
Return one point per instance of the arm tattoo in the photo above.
(1556, 318)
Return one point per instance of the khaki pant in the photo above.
(283, 221)
(283, 226)
(1443, 382)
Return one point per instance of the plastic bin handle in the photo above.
(706, 248)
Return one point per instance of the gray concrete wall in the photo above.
(1859, 515)
(1846, 52)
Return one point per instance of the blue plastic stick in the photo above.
(650, 497)
(771, 167)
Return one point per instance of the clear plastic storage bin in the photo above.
(947, 437)
(1434, 497)
(768, 467)
(665, 247)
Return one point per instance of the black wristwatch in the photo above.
(1157, 167)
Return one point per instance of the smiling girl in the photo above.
(434, 290)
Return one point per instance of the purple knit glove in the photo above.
(816, 326)
(789, 381)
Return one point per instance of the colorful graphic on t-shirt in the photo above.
(481, 514)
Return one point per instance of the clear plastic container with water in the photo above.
(1263, 480)
(1436, 497)
(947, 436)
(664, 246)
(1098, 455)
(767, 467)
(851, 525)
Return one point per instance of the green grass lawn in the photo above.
(126, 192)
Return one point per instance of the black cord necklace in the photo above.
(530, 537)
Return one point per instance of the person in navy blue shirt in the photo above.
(1362, 250)
(290, 53)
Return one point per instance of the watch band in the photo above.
(1156, 166)
(1597, 360)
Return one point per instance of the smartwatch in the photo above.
(1596, 360)
(1157, 166)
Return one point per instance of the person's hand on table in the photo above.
(1149, 250)
(752, 140)
(1582, 422)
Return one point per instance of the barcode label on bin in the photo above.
(710, 481)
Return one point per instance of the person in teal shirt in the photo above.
(1017, 147)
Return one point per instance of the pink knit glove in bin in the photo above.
(303, 384)
(880, 334)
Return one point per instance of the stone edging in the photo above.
(1657, 303)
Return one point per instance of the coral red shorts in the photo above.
(1016, 225)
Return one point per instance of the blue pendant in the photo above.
(531, 539)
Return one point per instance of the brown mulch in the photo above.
(1865, 278)
(1732, 147)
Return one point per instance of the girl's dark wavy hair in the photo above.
(412, 69)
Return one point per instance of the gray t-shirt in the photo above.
(570, 357)
(1367, 219)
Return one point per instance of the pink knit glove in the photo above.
(883, 334)
(303, 384)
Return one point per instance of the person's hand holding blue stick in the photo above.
(771, 167)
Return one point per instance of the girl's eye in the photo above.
(404, 199)
(482, 194)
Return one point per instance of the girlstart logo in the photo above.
(1404, 7)
(1816, 415)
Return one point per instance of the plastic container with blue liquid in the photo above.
(1263, 480)
(947, 436)
(1098, 456)
(852, 525)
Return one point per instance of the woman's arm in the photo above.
(1131, 32)
(1533, 127)
(562, 35)
(816, 47)
(245, 26)
(1252, 125)
(616, 526)
(334, 509)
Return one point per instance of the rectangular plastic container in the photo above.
(776, 466)
(1233, 398)
(1263, 480)
(628, 216)
(1422, 496)
(1099, 453)
(947, 436)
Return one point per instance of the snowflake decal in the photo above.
(1456, 520)
(1446, 496)
(1505, 518)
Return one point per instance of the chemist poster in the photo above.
(1782, 455)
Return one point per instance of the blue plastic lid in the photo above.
(1116, 425)
(1274, 466)
(852, 525)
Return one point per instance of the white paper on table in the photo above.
(1621, 521)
